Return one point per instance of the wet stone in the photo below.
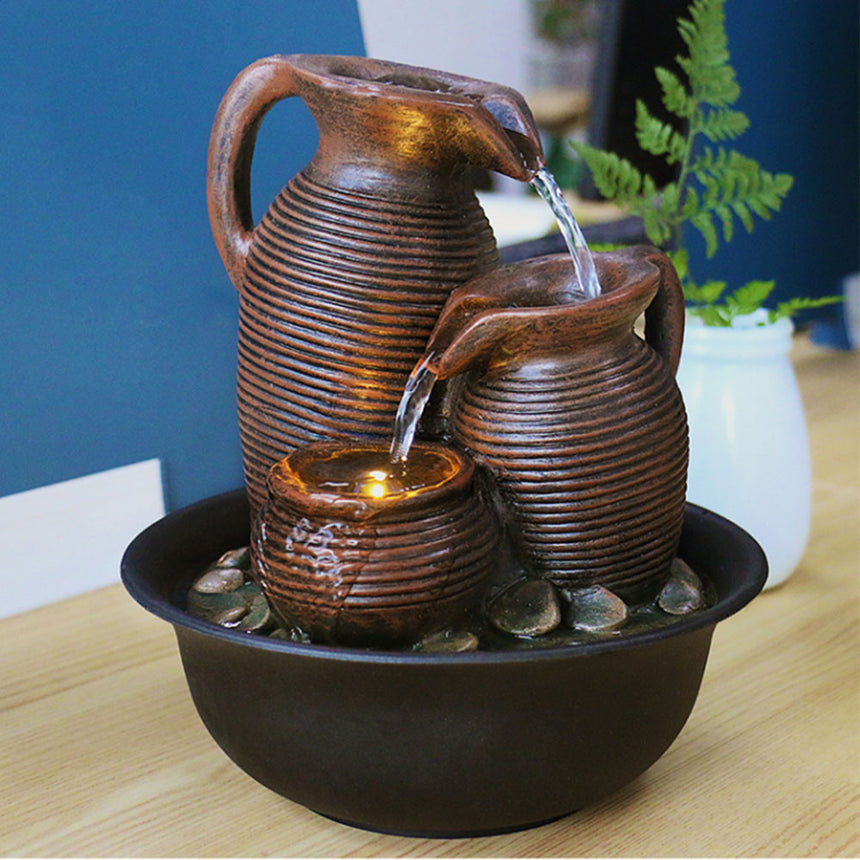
(244, 608)
(683, 593)
(595, 609)
(259, 615)
(230, 616)
(292, 634)
(217, 580)
(240, 557)
(526, 608)
(448, 642)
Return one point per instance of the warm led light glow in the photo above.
(377, 490)
(376, 487)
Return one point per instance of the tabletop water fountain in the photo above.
(461, 592)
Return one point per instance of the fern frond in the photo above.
(670, 200)
(658, 137)
(614, 177)
(736, 185)
(712, 79)
(740, 209)
(792, 306)
(749, 297)
(706, 294)
(703, 222)
(675, 96)
(725, 215)
(723, 124)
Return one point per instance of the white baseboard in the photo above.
(67, 538)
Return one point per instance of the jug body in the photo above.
(342, 280)
(582, 425)
(382, 560)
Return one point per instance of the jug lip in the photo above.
(637, 275)
(286, 484)
(502, 133)
(391, 79)
(499, 306)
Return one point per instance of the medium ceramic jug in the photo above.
(342, 280)
(578, 417)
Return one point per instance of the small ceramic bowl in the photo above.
(437, 744)
(354, 550)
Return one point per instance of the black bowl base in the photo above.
(438, 745)
(434, 834)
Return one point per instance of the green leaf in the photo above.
(750, 297)
(675, 96)
(670, 200)
(722, 124)
(706, 294)
(703, 223)
(691, 203)
(658, 137)
(740, 209)
(711, 291)
(615, 178)
(680, 260)
(792, 306)
(715, 187)
(712, 315)
(656, 228)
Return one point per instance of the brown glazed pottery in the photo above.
(577, 416)
(342, 280)
(356, 551)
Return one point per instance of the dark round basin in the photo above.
(437, 744)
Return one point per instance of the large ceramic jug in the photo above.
(342, 280)
(578, 417)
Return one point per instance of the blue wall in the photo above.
(118, 321)
(797, 62)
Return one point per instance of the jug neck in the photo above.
(521, 314)
(380, 120)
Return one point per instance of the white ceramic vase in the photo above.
(749, 453)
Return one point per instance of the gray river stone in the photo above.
(240, 557)
(244, 608)
(448, 642)
(526, 608)
(259, 617)
(595, 609)
(683, 592)
(217, 580)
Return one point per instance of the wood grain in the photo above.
(102, 753)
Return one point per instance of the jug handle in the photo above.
(664, 317)
(231, 148)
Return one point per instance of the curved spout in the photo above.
(518, 312)
(516, 304)
(448, 117)
(514, 117)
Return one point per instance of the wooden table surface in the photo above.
(102, 752)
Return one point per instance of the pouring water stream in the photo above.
(421, 380)
(544, 183)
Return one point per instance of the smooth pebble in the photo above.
(595, 609)
(527, 608)
(683, 592)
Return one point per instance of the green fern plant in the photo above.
(716, 187)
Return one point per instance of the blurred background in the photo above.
(119, 323)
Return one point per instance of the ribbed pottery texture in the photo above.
(342, 280)
(578, 417)
(592, 461)
(357, 572)
(340, 295)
